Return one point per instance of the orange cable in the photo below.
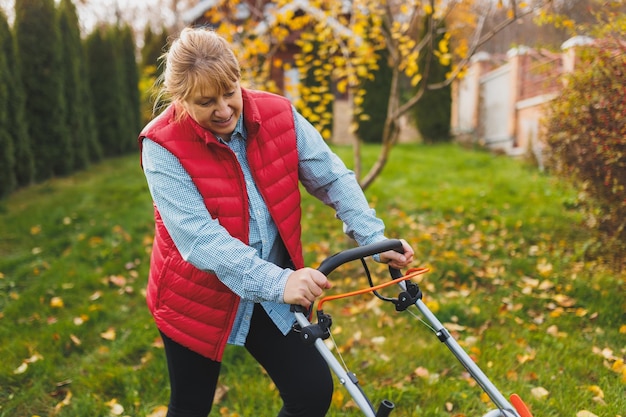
(411, 273)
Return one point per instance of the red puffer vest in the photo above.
(191, 306)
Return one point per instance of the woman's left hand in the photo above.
(398, 260)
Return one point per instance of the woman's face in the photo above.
(216, 112)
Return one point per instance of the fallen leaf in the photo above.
(596, 390)
(539, 392)
(544, 268)
(160, 411)
(422, 372)
(80, 320)
(564, 300)
(21, 369)
(585, 413)
(554, 331)
(95, 296)
(485, 398)
(378, 340)
(220, 393)
(64, 402)
(117, 280)
(117, 409)
(75, 340)
(56, 302)
(526, 357)
(109, 334)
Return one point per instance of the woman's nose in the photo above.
(221, 108)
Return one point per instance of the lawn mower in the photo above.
(410, 295)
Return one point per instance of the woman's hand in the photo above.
(398, 260)
(304, 286)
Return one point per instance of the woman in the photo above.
(223, 166)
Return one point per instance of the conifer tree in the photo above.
(7, 157)
(154, 45)
(106, 86)
(73, 59)
(24, 165)
(94, 148)
(130, 92)
(432, 113)
(375, 101)
(39, 50)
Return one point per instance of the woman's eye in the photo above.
(229, 94)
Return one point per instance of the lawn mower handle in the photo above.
(333, 262)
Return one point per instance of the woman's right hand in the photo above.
(304, 286)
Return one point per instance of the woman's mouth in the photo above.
(223, 121)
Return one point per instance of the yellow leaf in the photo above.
(484, 397)
(622, 329)
(564, 300)
(544, 268)
(64, 402)
(35, 230)
(56, 302)
(433, 305)
(342, 86)
(109, 334)
(338, 398)
(160, 411)
(596, 390)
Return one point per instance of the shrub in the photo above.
(586, 138)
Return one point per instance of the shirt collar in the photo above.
(240, 128)
(239, 132)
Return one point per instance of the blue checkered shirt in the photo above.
(251, 271)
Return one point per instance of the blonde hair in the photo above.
(198, 60)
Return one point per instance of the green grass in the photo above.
(508, 276)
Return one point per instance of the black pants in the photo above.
(299, 372)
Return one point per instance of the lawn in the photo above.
(509, 278)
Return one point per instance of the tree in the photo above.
(40, 58)
(370, 101)
(130, 73)
(347, 37)
(24, 164)
(154, 45)
(107, 83)
(433, 112)
(7, 157)
(74, 84)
